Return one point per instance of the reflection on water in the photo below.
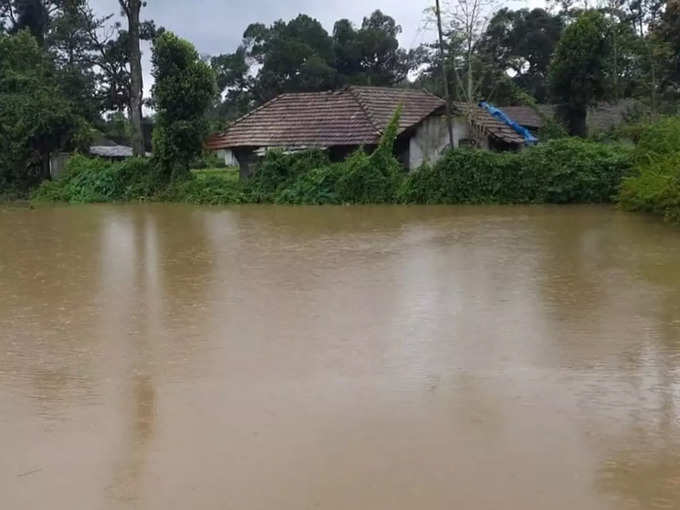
(374, 357)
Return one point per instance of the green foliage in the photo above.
(560, 171)
(205, 190)
(293, 56)
(658, 140)
(373, 178)
(35, 118)
(183, 90)
(579, 68)
(207, 160)
(315, 187)
(565, 170)
(371, 54)
(230, 173)
(578, 170)
(299, 55)
(552, 129)
(278, 170)
(523, 40)
(88, 180)
(655, 185)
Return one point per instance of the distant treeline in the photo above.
(68, 77)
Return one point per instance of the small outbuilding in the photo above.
(343, 120)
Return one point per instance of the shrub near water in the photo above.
(277, 171)
(655, 185)
(560, 171)
(88, 180)
(566, 170)
(314, 187)
(208, 190)
(374, 178)
(310, 178)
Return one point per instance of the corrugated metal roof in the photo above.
(111, 151)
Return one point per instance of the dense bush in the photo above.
(207, 160)
(89, 180)
(208, 190)
(658, 140)
(373, 178)
(315, 187)
(655, 184)
(561, 171)
(278, 170)
(564, 170)
(35, 118)
(184, 88)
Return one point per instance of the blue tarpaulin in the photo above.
(529, 139)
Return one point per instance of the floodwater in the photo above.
(172, 357)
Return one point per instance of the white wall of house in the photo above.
(432, 137)
(228, 156)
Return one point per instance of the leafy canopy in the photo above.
(183, 90)
(35, 118)
(579, 69)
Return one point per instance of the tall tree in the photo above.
(184, 88)
(468, 21)
(132, 9)
(35, 118)
(292, 57)
(347, 50)
(32, 15)
(371, 54)
(522, 42)
(579, 69)
(75, 56)
(382, 61)
(299, 55)
(663, 44)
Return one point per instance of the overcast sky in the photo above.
(216, 26)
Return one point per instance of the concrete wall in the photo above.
(227, 156)
(246, 161)
(58, 164)
(432, 137)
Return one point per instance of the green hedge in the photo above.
(655, 184)
(207, 190)
(567, 170)
(88, 180)
(560, 171)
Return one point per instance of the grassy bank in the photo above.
(569, 170)
(654, 185)
(561, 171)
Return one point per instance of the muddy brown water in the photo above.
(172, 357)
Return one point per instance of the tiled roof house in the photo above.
(342, 120)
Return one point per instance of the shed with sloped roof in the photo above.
(340, 121)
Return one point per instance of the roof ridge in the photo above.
(428, 93)
(364, 109)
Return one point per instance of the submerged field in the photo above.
(168, 356)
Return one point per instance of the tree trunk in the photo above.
(447, 96)
(470, 95)
(616, 67)
(577, 122)
(132, 9)
(574, 118)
